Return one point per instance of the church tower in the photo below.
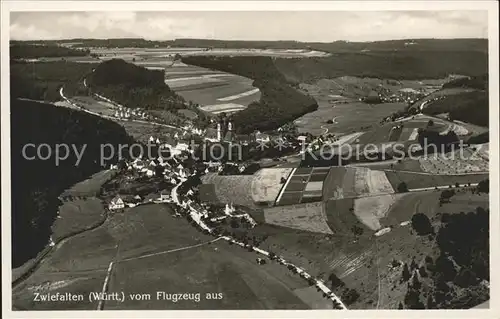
(219, 132)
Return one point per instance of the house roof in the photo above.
(117, 199)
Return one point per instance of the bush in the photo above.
(484, 186)
(402, 187)
(421, 224)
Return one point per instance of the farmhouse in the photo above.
(116, 203)
(165, 195)
(261, 137)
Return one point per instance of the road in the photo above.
(61, 93)
(197, 218)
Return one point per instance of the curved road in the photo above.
(197, 218)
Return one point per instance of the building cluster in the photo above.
(128, 113)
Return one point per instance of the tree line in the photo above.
(279, 104)
(28, 51)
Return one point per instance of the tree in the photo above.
(402, 187)
(446, 195)
(484, 186)
(357, 231)
(421, 224)
(405, 276)
(400, 305)
(430, 302)
(415, 283)
(335, 281)
(350, 296)
(412, 300)
(422, 272)
(413, 265)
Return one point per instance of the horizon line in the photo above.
(236, 40)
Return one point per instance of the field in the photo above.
(349, 116)
(95, 106)
(261, 188)
(345, 182)
(214, 91)
(419, 180)
(338, 99)
(210, 269)
(234, 189)
(461, 161)
(90, 186)
(306, 217)
(154, 251)
(207, 193)
(143, 131)
(390, 133)
(304, 186)
(76, 216)
(266, 184)
(369, 210)
(148, 54)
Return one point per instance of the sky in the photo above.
(324, 26)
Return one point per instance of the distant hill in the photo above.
(335, 46)
(36, 184)
(400, 65)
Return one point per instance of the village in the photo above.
(181, 190)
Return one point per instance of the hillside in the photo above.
(399, 65)
(36, 184)
(474, 82)
(133, 86)
(279, 103)
(463, 99)
(42, 81)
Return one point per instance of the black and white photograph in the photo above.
(275, 157)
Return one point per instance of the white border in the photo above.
(490, 6)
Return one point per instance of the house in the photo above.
(211, 135)
(182, 174)
(150, 172)
(165, 195)
(151, 139)
(228, 210)
(116, 203)
(182, 146)
(137, 199)
(139, 165)
(261, 137)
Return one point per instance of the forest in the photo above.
(134, 86)
(29, 51)
(36, 184)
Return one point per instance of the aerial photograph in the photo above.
(249, 160)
